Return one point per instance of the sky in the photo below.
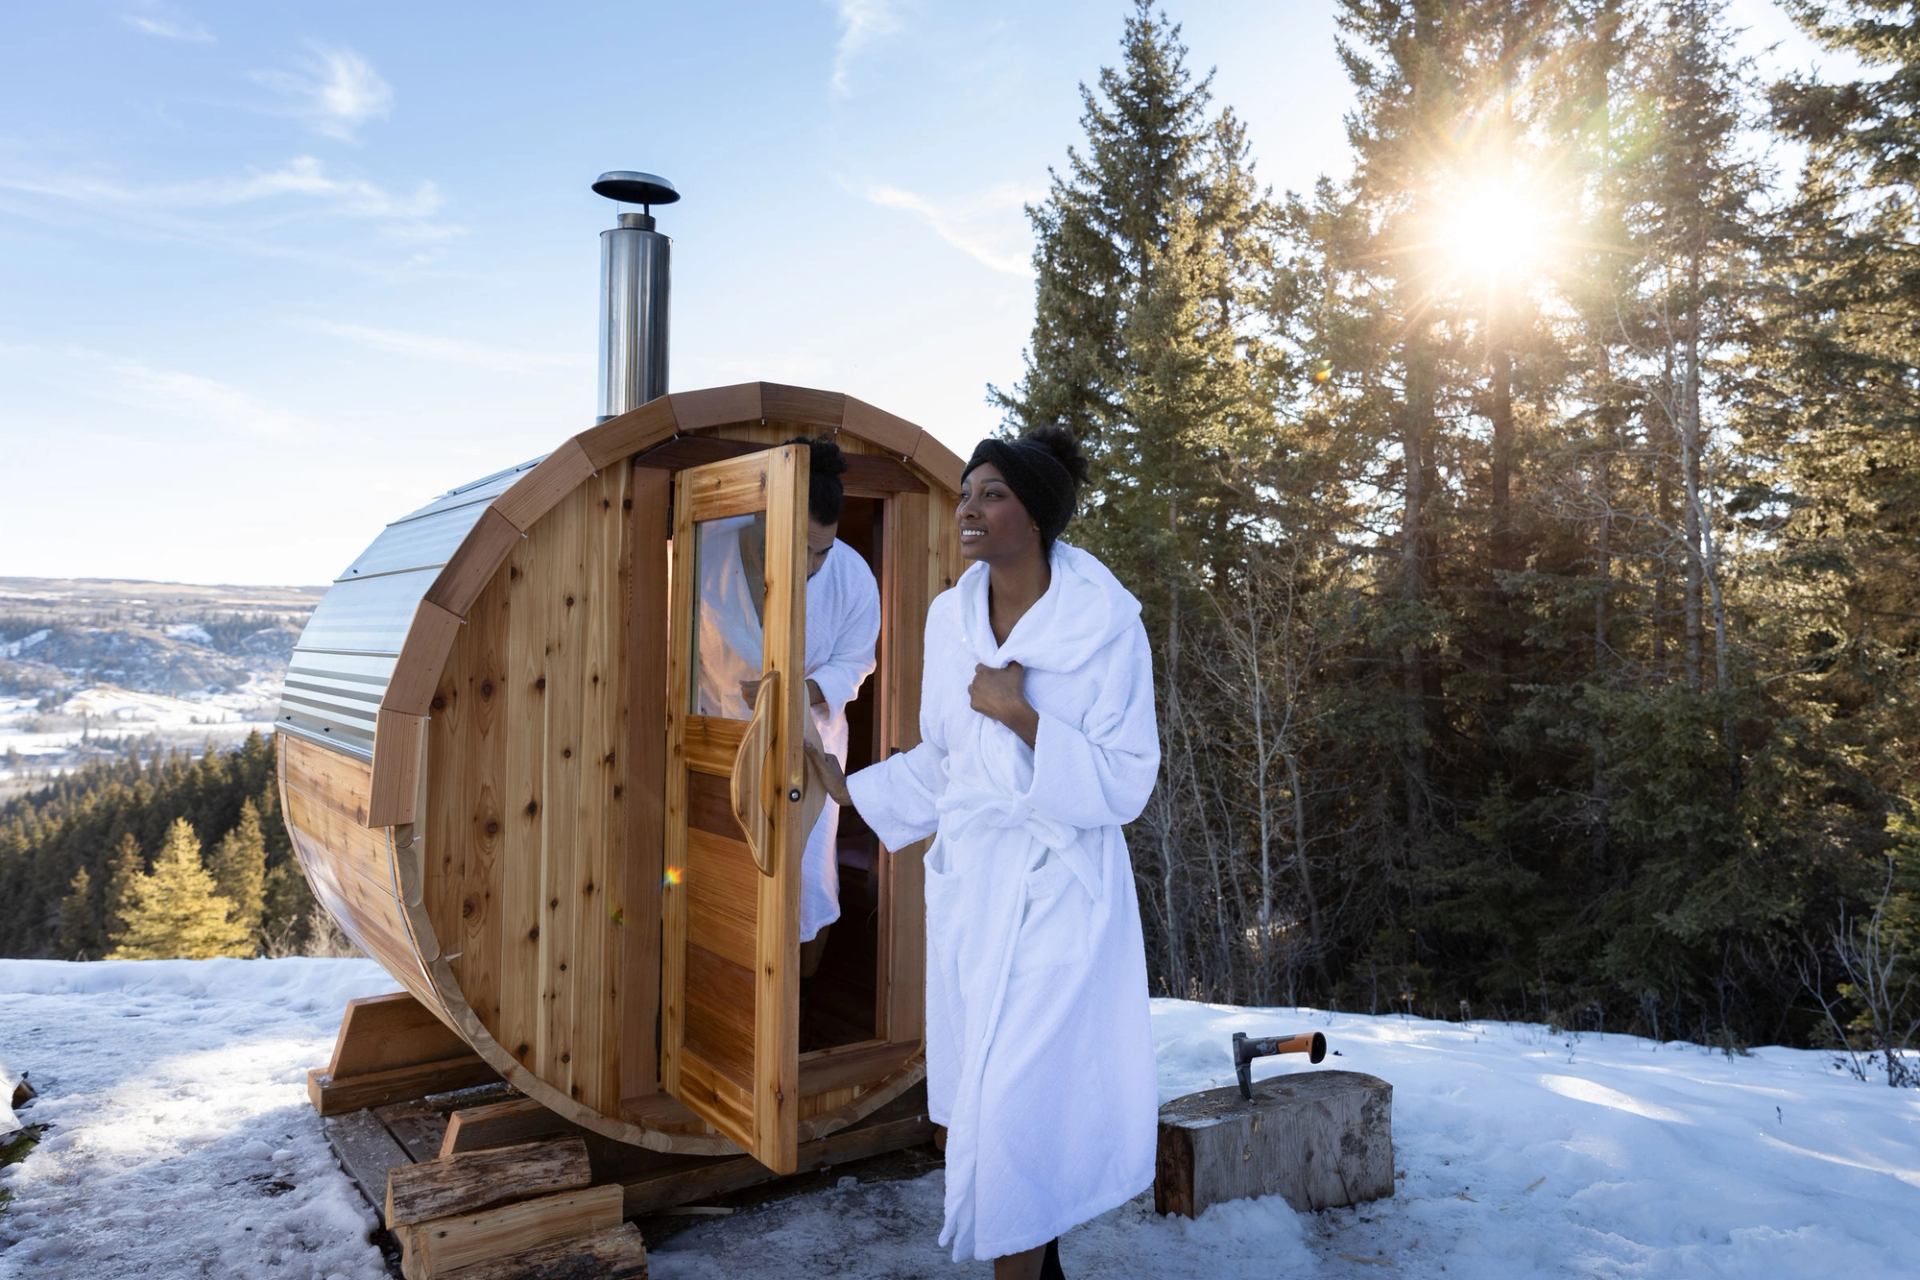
(273, 275)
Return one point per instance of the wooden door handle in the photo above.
(748, 788)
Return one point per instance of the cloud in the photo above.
(862, 24)
(302, 176)
(156, 18)
(335, 90)
(991, 228)
(453, 350)
(250, 212)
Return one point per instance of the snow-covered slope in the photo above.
(182, 1145)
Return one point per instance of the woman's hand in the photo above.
(1000, 693)
(827, 770)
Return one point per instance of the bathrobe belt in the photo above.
(962, 808)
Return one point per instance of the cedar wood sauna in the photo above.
(495, 784)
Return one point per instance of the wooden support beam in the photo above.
(332, 1096)
(500, 1124)
(1320, 1139)
(390, 1049)
(432, 1250)
(653, 1181)
(616, 1254)
(464, 1184)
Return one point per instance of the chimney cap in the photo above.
(631, 187)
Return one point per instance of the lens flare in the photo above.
(1494, 232)
(673, 876)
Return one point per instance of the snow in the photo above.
(182, 1145)
(191, 632)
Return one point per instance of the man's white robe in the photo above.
(1039, 1053)
(842, 636)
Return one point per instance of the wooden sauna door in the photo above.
(729, 973)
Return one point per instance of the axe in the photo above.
(1314, 1045)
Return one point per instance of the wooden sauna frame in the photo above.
(491, 829)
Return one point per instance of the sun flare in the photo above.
(1495, 233)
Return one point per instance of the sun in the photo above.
(1494, 233)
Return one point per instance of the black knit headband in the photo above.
(1039, 479)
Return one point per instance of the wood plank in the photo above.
(339, 780)
(1319, 1139)
(721, 489)
(617, 1253)
(940, 463)
(673, 904)
(417, 673)
(776, 1033)
(365, 1150)
(872, 476)
(500, 1124)
(467, 732)
(378, 1033)
(637, 889)
(913, 570)
(826, 1071)
(462, 1184)
(521, 951)
(804, 408)
(415, 1124)
(395, 790)
(722, 884)
(720, 1009)
(475, 561)
(693, 451)
(596, 1009)
(893, 433)
(568, 597)
(710, 744)
(716, 406)
(331, 1097)
(537, 492)
(621, 437)
(434, 1248)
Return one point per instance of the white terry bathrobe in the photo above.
(1039, 1053)
(842, 635)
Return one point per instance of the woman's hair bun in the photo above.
(1060, 442)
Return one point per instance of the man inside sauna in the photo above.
(842, 630)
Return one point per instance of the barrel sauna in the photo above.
(496, 784)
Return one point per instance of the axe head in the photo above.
(1314, 1045)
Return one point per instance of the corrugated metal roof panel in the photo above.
(345, 658)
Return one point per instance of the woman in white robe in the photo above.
(842, 636)
(1038, 742)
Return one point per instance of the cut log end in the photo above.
(1320, 1139)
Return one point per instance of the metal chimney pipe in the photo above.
(634, 262)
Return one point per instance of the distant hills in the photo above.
(90, 665)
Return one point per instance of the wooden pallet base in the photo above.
(563, 1232)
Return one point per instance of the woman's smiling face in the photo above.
(994, 526)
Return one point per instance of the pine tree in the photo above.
(1151, 256)
(124, 872)
(176, 910)
(239, 867)
(79, 921)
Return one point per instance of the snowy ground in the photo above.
(181, 1145)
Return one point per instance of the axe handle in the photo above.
(1312, 1043)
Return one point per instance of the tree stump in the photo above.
(1321, 1139)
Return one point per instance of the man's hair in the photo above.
(825, 495)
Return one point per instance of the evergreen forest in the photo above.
(173, 855)
(1527, 522)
